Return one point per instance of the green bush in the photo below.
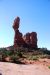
(49, 67)
(19, 54)
(32, 58)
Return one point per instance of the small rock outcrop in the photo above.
(28, 40)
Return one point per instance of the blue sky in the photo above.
(34, 15)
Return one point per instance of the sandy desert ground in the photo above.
(37, 68)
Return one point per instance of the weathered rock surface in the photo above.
(28, 40)
(16, 23)
(31, 39)
(18, 40)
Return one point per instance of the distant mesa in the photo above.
(28, 40)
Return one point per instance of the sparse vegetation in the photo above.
(29, 54)
(33, 58)
(49, 67)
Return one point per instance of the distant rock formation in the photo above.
(28, 40)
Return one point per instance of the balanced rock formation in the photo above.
(28, 40)
(18, 40)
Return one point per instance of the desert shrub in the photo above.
(42, 56)
(48, 56)
(14, 58)
(5, 54)
(49, 67)
(33, 58)
(47, 52)
(19, 54)
(44, 51)
(0, 57)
